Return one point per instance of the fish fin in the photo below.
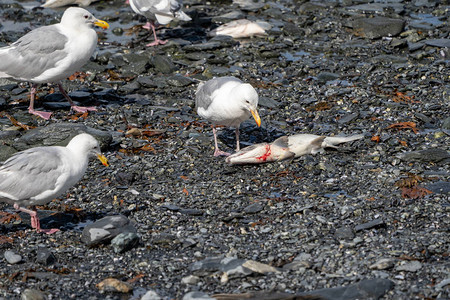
(317, 145)
(282, 142)
(333, 141)
(287, 155)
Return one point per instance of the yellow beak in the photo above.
(256, 117)
(103, 159)
(102, 24)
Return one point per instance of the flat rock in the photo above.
(441, 43)
(369, 225)
(59, 134)
(365, 289)
(105, 229)
(374, 28)
(433, 155)
(124, 241)
(411, 266)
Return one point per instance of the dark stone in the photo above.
(344, 232)
(105, 229)
(254, 208)
(433, 155)
(439, 187)
(365, 289)
(441, 43)
(45, 257)
(378, 27)
(371, 224)
(124, 242)
(59, 134)
(163, 64)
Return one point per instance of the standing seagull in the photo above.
(226, 101)
(38, 175)
(52, 53)
(162, 11)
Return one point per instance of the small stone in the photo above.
(254, 208)
(45, 257)
(12, 258)
(378, 27)
(32, 294)
(344, 232)
(259, 267)
(191, 279)
(114, 285)
(371, 224)
(412, 266)
(197, 296)
(383, 264)
(124, 242)
(151, 295)
(105, 229)
(433, 155)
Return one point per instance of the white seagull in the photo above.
(38, 175)
(226, 101)
(52, 53)
(162, 11)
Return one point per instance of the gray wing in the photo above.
(203, 96)
(148, 9)
(37, 51)
(31, 172)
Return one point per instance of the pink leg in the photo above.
(35, 220)
(218, 152)
(151, 25)
(80, 109)
(44, 115)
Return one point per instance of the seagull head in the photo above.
(77, 16)
(86, 143)
(249, 100)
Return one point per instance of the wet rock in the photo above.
(179, 80)
(378, 7)
(105, 229)
(439, 187)
(227, 17)
(412, 266)
(59, 134)
(344, 232)
(197, 296)
(254, 208)
(433, 155)
(377, 27)
(441, 43)
(371, 224)
(12, 258)
(124, 242)
(383, 264)
(327, 76)
(114, 285)
(365, 289)
(32, 294)
(163, 64)
(45, 257)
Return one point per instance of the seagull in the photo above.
(226, 101)
(38, 175)
(52, 53)
(162, 11)
(61, 3)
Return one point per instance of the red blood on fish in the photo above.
(265, 155)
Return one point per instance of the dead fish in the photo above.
(287, 147)
(242, 28)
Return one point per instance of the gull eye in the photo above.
(86, 17)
